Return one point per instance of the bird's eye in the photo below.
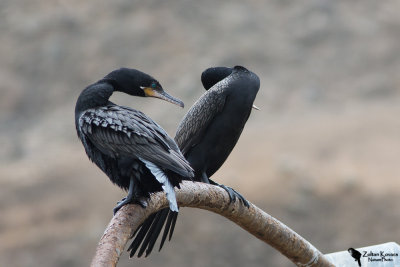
(153, 85)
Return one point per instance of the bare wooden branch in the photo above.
(215, 199)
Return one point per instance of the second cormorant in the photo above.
(206, 136)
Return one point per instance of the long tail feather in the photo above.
(140, 235)
(149, 233)
(174, 216)
(169, 227)
(154, 235)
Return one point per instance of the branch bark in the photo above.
(215, 199)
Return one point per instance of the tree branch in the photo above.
(215, 199)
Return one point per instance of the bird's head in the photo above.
(212, 76)
(137, 83)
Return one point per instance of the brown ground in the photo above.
(322, 155)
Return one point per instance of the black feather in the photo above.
(141, 234)
(120, 139)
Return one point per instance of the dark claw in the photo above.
(241, 198)
(116, 209)
(124, 201)
(233, 194)
(120, 204)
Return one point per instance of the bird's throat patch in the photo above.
(148, 91)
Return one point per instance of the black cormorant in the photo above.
(206, 136)
(130, 148)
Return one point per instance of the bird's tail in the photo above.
(166, 185)
(146, 236)
(359, 262)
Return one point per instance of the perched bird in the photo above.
(130, 148)
(206, 136)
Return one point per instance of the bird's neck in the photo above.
(95, 95)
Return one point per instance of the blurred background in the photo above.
(322, 155)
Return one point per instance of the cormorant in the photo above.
(130, 148)
(206, 136)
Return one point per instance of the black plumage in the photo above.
(130, 148)
(206, 136)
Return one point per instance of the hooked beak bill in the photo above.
(159, 93)
(255, 107)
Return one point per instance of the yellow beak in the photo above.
(151, 92)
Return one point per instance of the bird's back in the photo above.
(212, 127)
